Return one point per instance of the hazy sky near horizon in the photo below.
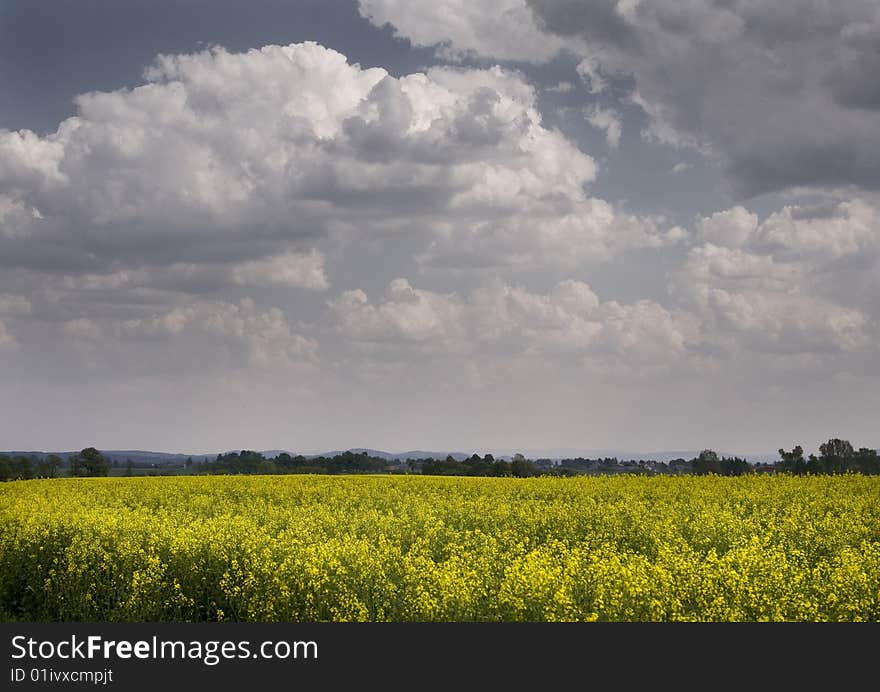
(447, 225)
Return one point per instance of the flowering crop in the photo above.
(314, 548)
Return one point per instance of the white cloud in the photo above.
(232, 168)
(590, 73)
(462, 28)
(830, 230)
(288, 269)
(784, 94)
(680, 167)
(773, 285)
(785, 322)
(563, 234)
(606, 120)
(730, 228)
(500, 319)
(197, 330)
(823, 231)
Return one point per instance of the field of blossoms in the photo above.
(315, 548)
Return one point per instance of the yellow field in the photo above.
(307, 548)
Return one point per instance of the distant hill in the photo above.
(137, 456)
(145, 457)
(622, 455)
(414, 454)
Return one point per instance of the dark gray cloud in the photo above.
(782, 92)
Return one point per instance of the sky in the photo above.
(453, 225)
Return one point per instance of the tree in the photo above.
(867, 461)
(708, 462)
(22, 468)
(53, 464)
(734, 466)
(522, 467)
(89, 462)
(500, 468)
(814, 465)
(793, 461)
(836, 455)
(267, 467)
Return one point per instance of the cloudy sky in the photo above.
(439, 224)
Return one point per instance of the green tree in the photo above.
(836, 455)
(867, 461)
(267, 467)
(522, 467)
(734, 466)
(22, 468)
(53, 465)
(5, 468)
(89, 462)
(793, 461)
(500, 468)
(814, 465)
(708, 462)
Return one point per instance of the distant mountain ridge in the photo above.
(168, 458)
(122, 455)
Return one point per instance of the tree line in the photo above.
(88, 462)
(836, 456)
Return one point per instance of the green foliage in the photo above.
(18, 468)
(89, 462)
(836, 455)
(793, 461)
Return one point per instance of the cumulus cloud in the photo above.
(562, 235)
(830, 230)
(461, 28)
(130, 236)
(240, 164)
(289, 269)
(143, 220)
(245, 333)
(730, 228)
(784, 94)
(503, 319)
(406, 315)
(778, 285)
